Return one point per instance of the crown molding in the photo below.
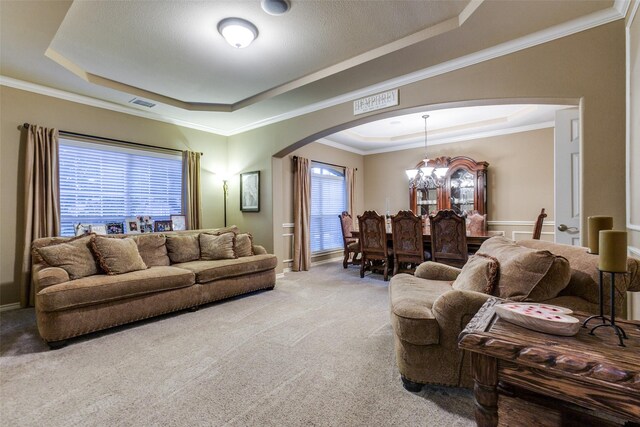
(584, 23)
(330, 143)
(577, 25)
(98, 103)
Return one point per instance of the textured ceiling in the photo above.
(319, 54)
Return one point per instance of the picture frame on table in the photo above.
(178, 222)
(82, 229)
(131, 225)
(115, 227)
(145, 224)
(98, 228)
(250, 191)
(162, 226)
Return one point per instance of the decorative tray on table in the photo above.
(550, 319)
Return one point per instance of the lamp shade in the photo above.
(613, 251)
(597, 223)
(411, 173)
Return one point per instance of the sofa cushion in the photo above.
(183, 248)
(217, 246)
(244, 245)
(153, 249)
(411, 300)
(117, 256)
(480, 274)
(103, 288)
(207, 271)
(74, 256)
(526, 274)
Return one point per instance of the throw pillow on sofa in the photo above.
(526, 274)
(183, 248)
(117, 256)
(244, 245)
(217, 246)
(153, 249)
(74, 256)
(480, 274)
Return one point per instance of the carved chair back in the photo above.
(448, 238)
(408, 246)
(351, 245)
(537, 229)
(373, 242)
(476, 223)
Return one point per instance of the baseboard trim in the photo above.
(325, 261)
(7, 307)
(520, 223)
(634, 251)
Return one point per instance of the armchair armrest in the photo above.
(436, 271)
(49, 276)
(259, 250)
(454, 309)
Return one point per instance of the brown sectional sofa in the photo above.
(432, 307)
(68, 308)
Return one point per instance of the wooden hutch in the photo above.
(464, 187)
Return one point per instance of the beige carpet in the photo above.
(316, 351)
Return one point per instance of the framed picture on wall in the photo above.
(250, 191)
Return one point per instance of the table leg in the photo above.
(485, 390)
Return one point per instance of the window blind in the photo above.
(101, 183)
(328, 200)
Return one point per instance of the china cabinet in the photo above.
(463, 188)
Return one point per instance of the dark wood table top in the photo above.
(584, 368)
(472, 239)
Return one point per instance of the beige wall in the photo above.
(520, 174)
(17, 107)
(586, 68)
(321, 153)
(633, 136)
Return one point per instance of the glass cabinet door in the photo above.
(462, 191)
(427, 201)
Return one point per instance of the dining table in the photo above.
(474, 239)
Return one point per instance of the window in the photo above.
(328, 200)
(102, 183)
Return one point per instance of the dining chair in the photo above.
(373, 243)
(351, 244)
(537, 229)
(476, 223)
(408, 245)
(448, 238)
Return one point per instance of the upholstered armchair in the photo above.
(431, 308)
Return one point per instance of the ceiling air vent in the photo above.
(142, 102)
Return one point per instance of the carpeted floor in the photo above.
(315, 351)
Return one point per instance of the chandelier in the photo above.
(427, 176)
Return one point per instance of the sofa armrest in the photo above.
(436, 271)
(454, 309)
(259, 250)
(49, 276)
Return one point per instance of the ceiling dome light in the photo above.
(275, 7)
(239, 33)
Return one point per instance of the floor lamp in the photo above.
(225, 190)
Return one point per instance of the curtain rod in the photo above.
(120, 141)
(295, 159)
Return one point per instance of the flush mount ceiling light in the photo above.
(275, 7)
(238, 32)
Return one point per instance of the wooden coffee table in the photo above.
(523, 377)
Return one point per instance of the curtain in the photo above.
(41, 198)
(191, 191)
(350, 178)
(301, 214)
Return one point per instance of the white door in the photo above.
(567, 177)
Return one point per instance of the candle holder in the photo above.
(607, 322)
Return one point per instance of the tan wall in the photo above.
(634, 149)
(322, 153)
(520, 174)
(586, 68)
(17, 107)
